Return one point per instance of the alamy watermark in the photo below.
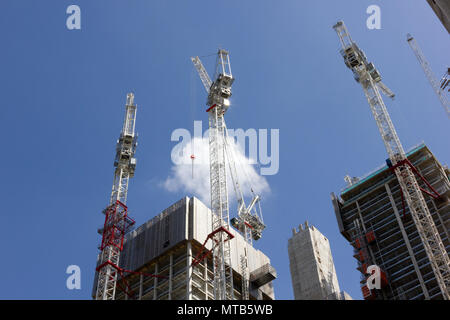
(258, 146)
(374, 20)
(73, 21)
(374, 279)
(74, 280)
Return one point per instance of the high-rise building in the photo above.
(311, 264)
(167, 245)
(373, 216)
(442, 10)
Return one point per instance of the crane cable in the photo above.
(192, 115)
(241, 166)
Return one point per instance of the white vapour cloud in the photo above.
(194, 179)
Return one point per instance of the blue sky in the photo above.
(63, 95)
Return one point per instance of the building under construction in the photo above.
(372, 215)
(312, 268)
(162, 258)
(442, 10)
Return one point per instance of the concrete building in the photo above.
(374, 218)
(311, 265)
(166, 246)
(442, 10)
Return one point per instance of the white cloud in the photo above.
(194, 179)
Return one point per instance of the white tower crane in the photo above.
(218, 101)
(117, 222)
(369, 78)
(439, 88)
(249, 221)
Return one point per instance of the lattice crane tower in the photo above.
(438, 89)
(249, 220)
(117, 222)
(218, 101)
(368, 76)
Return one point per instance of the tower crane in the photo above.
(438, 87)
(249, 221)
(368, 76)
(117, 221)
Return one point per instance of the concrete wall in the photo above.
(442, 10)
(311, 265)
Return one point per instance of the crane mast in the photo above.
(438, 87)
(249, 221)
(117, 222)
(218, 102)
(369, 78)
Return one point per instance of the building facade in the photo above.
(167, 245)
(311, 264)
(372, 215)
(442, 10)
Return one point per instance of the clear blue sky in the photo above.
(63, 95)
